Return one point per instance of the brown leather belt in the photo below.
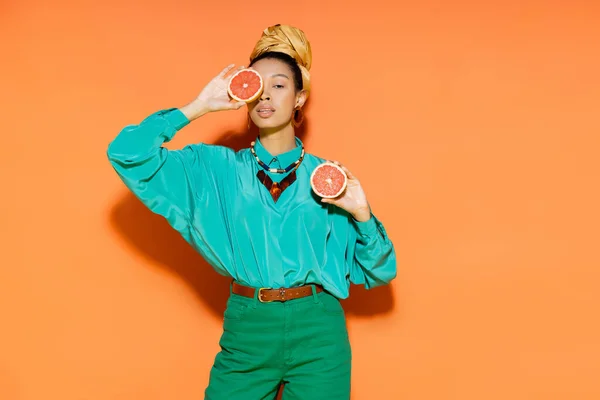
(267, 295)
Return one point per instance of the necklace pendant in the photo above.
(276, 189)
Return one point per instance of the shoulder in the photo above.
(313, 160)
(207, 153)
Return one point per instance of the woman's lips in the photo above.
(265, 112)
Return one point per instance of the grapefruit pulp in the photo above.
(328, 180)
(245, 85)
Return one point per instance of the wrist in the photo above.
(362, 215)
(194, 110)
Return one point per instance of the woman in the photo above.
(253, 216)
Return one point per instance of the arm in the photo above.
(151, 171)
(164, 180)
(171, 182)
(371, 254)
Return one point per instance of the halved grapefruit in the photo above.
(328, 180)
(245, 85)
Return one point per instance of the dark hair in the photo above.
(287, 59)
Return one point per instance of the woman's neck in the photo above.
(280, 141)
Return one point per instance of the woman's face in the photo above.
(274, 109)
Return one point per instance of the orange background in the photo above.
(474, 128)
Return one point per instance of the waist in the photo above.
(268, 295)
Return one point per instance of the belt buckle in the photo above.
(259, 296)
(281, 294)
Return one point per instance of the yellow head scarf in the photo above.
(291, 41)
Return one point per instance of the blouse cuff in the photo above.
(175, 118)
(366, 228)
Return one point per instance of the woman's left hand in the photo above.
(353, 199)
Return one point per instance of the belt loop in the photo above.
(255, 298)
(315, 294)
(231, 287)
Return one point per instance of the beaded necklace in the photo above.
(290, 167)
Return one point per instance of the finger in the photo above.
(339, 164)
(225, 70)
(346, 170)
(334, 201)
(237, 105)
(231, 72)
(349, 174)
(235, 70)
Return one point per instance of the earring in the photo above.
(249, 121)
(298, 114)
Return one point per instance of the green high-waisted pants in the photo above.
(302, 343)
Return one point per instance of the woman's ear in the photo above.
(300, 99)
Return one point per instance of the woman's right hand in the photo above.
(214, 96)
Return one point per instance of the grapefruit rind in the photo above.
(254, 96)
(339, 192)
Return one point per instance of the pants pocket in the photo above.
(235, 310)
(330, 304)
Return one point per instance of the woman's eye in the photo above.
(278, 86)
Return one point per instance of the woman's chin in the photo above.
(269, 125)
